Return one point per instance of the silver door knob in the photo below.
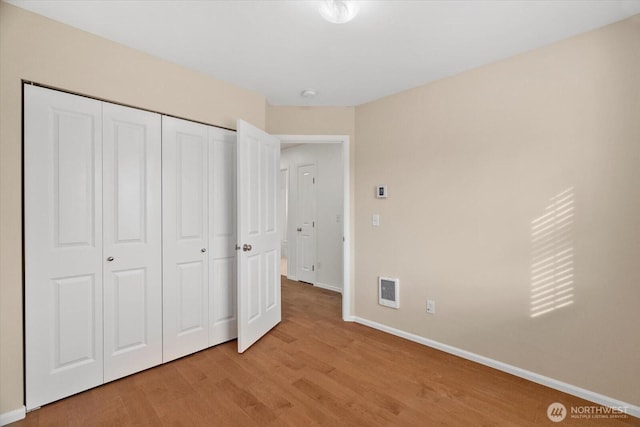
(203, 250)
(299, 228)
(246, 247)
(110, 259)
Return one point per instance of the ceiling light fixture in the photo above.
(338, 11)
(308, 93)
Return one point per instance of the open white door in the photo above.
(258, 169)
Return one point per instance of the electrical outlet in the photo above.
(431, 306)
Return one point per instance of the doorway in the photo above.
(325, 262)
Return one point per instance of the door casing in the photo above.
(344, 140)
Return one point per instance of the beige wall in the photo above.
(38, 49)
(311, 120)
(470, 162)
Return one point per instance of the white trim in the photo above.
(328, 287)
(323, 139)
(13, 416)
(582, 393)
(346, 248)
(292, 277)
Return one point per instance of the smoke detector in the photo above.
(308, 93)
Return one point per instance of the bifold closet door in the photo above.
(63, 244)
(93, 273)
(185, 237)
(223, 322)
(132, 239)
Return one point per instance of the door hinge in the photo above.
(314, 180)
(313, 268)
(313, 224)
(238, 247)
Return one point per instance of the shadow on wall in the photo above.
(552, 269)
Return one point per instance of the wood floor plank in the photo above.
(244, 397)
(313, 369)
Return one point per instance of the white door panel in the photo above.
(132, 237)
(223, 324)
(185, 237)
(222, 305)
(306, 230)
(258, 168)
(63, 244)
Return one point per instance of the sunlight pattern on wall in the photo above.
(552, 269)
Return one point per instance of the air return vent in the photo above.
(388, 292)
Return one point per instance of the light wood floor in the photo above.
(315, 369)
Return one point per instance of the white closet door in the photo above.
(132, 240)
(258, 170)
(223, 325)
(185, 237)
(63, 244)
(306, 227)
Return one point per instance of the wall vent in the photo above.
(389, 292)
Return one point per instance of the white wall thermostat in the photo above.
(381, 191)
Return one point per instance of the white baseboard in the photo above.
(591, 396)
(328, 287)
(292, 277)
(13, 416)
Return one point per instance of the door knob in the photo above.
(203, 250)
(110, 259)
(246, 247)
(299, 228)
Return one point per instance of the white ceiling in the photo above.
(279, 48)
